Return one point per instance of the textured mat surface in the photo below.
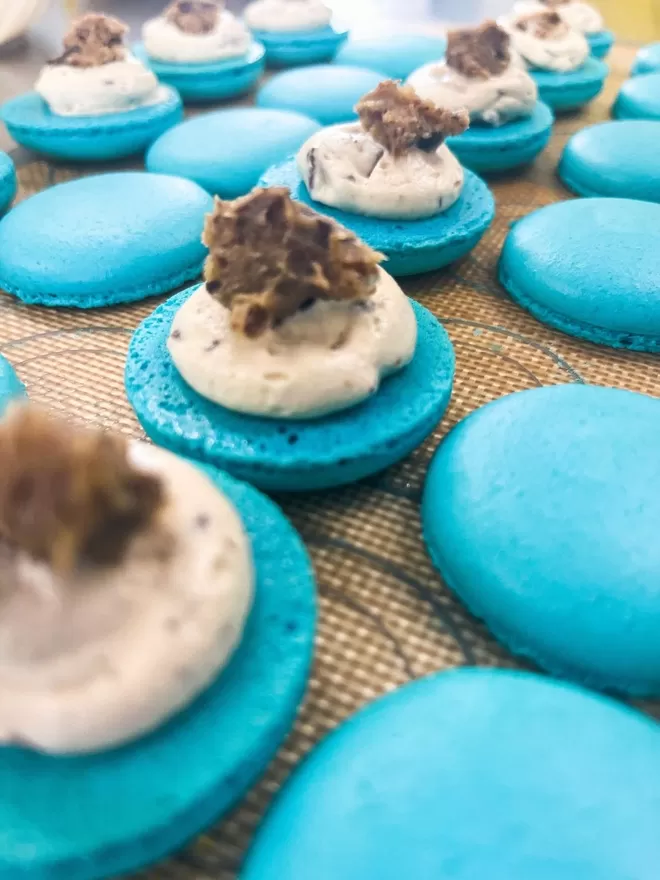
(386, 617)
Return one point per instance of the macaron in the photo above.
(325, 92)
(104, 240)
(11, 387)
(568, 91)
(473, 773)
(639, 98)
(600, 43)
(590, 268)
(647, 60)
(618, 159)
(8, 184)
(163, 789)
(394, 56)
(296, 48)
(89, 138)
(227, 151)
(209, 81)
(285, 454)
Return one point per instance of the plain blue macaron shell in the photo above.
(410, 246)
(88, 138)
(600, 43)
(96, 816)
(209, 81)
(11, 386)
(394, 55)
(540, 511)
(568, 91)
(290, 455)
(589, 267)
(8, 183)
(647, 60)
(292, 48)
(326, 92)
(103, 240)
(227, 151)
(488, 148)
(474, 774)
(639, 98)
(619, 159)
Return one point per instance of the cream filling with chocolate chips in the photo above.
(287, 15)
(183, 39)
(580, 16)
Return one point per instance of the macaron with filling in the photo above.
(581, 16)
(295, 32)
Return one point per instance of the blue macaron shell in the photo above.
(540, 511)
(589, 267)
(488, 148)
(88, 138)
(284, 454)
(209, 81)
(8, 183)
(647, 60)
(103, 240)
(568, 91)
(639, 98)
(326, 92)
(11, 386)
(600, 43)
(294, 48)
(468, 775)
(619, 159)
(394, 55)
(227, 151)
(411, 246)
(96, 816)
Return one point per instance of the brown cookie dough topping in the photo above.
(399, 120)
(69, 495)
(479, 53)
(194, 16)
(269, 257)
(93, 40)
(543, 25)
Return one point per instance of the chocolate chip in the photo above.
(212, 345)
(176, 334)
(202, 521)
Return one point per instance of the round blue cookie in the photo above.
(568, 91)
(209, 81)
(226, 152)
(590, 268)
(294, 48)
(540, 511)
(486, 148)
(104, 240)
(290, 455)
(393, 55)
(325, 92)
(647, 60)
(11, 386)
(411, 246)
(468, 775)
(95, 816)
(88, 138)
(8, 183)
(639, 98)
(619, 159)
(600, 43)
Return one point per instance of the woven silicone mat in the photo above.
(386, 617)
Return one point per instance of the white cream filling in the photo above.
(93, 91)
(494, 101)
(328, 357)
(580, 16)
(287, 15)
(345, 168)
(113, 652)
(561, 55)
(164, 41)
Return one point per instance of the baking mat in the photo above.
(386, 617)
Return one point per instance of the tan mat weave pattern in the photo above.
(386, 617)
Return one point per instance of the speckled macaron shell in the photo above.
(227, 151)
(540, 511)
(88, 138)
(284, 454)
(485, 148)
(590, 268)
(295, 48)
(8, 184)
(639, 98)
(600, 43)
(97, 816)
(104, 240)
(619, 159)
(647, 60)
(11, 387)
(568, 91)
(210, 81)
(325, 92)
(472, 774)
(393, 55)
(410, 246)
